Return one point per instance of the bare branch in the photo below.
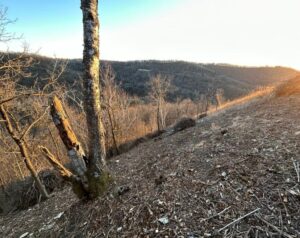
(18, 96)
(239, 219)
(33, 123)
(64, 172)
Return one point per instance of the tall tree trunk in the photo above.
(97, 172)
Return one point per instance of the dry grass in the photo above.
(288, 88)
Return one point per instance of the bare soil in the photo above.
(233, 175)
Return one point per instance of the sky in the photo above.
(241, 32)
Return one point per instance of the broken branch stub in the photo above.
(75, 150)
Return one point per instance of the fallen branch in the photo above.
(297, 169)
(274, 227)
(218, 214)
(239, 219)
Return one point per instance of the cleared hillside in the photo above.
(233, 175)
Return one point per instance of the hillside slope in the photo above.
(232, 175)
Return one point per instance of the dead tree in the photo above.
(90, 175)
(159, 89)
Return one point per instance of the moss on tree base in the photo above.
(98, 184)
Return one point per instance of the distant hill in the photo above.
(188, 79)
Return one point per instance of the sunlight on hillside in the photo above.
(264, 91)
(288, 88)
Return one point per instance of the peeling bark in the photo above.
(74, 147)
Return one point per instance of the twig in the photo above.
(286, 211)
(33, 123)
(218, 214)
(17, 96)
(237, 220)
(297, 169)
(274, 227)
(53, 140)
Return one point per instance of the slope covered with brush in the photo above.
(235, 174)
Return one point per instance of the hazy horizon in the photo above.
(243, 33)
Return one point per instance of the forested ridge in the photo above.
(188, 80)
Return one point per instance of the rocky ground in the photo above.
(236, 174)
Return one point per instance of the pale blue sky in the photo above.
(245, 32)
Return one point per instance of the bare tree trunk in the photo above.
(24, 152)
(97, 171)
(161, 119)
(158, 117)
(112, 127)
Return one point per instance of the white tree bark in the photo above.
(96, 143)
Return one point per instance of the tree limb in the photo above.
(32, 124)
(64, 172)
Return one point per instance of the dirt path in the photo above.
(202, 182)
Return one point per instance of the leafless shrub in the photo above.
(159, 89)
